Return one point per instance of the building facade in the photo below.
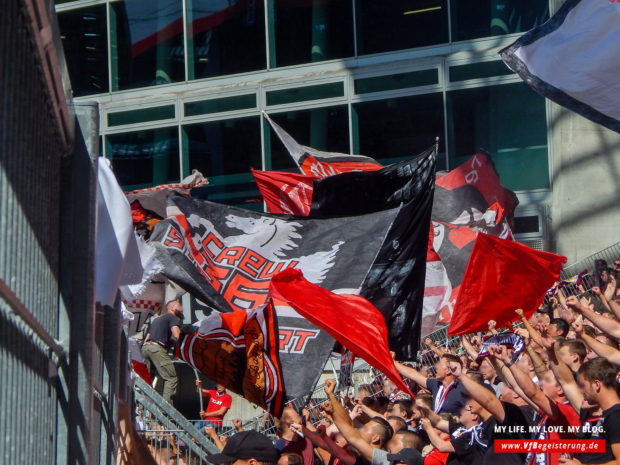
(182, 84)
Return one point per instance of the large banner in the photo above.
(226, 256)
(240, 351)
(574, 59)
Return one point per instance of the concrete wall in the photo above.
(585, 211)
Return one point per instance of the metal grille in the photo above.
(30, 157)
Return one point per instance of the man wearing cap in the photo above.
(246, 448)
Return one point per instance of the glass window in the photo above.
(84, 39)
(396, 81)
(394, 129)
(324, 129)
(302, 94)
(147, 43)
(486, 118)
(400, 24)
(311, 31)
(478, 70)
(224, 151)
(145, 158)
(484, 18)
(225, 37)
(217, 105)
(121, 118)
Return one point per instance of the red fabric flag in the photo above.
(350, 319)
(501, 276)
(285, 192)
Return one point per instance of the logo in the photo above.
(240, 267)
(295, 340)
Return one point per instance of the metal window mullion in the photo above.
(185, 40)
(354, 11)
(109, 39)
(443, 79)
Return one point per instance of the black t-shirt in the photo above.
(453, 401)
(531, 415)
(609, 424)
(470, 444)
(161, 328)
(513, 418)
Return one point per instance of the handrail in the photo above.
(28, 318)
(172, 419)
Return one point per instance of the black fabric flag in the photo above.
(226, 257)
(395, 283)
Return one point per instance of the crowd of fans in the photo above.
(559, 383)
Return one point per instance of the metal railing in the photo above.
(160, 416)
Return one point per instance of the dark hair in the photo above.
(600, 369)
(411, 440)
(561, 324)
(402, 424)
(293, 458)
(453, 358)
(590, 331)
(575, 347)
(426, 399)
(386, 429)
(406, 405)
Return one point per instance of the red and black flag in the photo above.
(467, 200)
(226, 257)
(240, 351)
(395, 282)
(313, 162)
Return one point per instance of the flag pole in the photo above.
(199, 389)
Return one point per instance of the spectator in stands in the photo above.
(246, 448)
(290, 458)
(392, 392)
(447, 392)
(163, 334)
(218, 403)
(290, 440)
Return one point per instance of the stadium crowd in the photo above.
(549, 381)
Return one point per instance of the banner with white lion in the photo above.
(226, 256)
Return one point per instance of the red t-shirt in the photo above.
(567, 417)
(217, 401)
(436, 458)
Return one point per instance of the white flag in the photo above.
(574, 59)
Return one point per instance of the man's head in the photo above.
(442, 367)
(363, 391)
(246, 448)
(290, 416)
(220, 388)
(558, 327)
(405, 439)
(468, 414)
(597, 376)
(406, 456)
(572, 352)
(487, 370)
(550, 386)
(175, 307)
(388, 387)
(397, 423)
(376, 432)
(290, 458)
(403, 408)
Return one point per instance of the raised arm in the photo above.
(435, 419)
(565, 377)
(438, 443)
(343, 422)
(534, 334)
(608, 326)
(479, 393)
(410, 373)
(602, 350)
(528, 386)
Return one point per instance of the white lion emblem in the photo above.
(272, 237)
